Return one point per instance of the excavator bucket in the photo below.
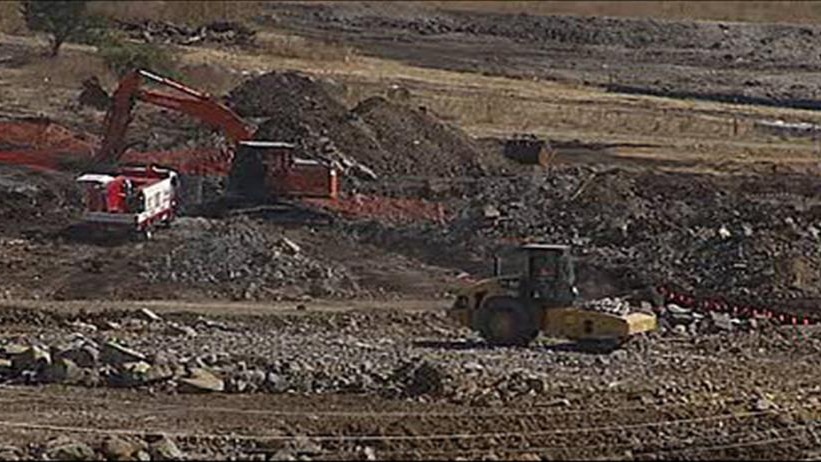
(580, 324)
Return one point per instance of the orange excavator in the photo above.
(257, 169)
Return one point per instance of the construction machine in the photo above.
(284, 175)
(135, 199)
(512, 310)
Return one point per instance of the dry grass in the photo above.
(211, 78)
(198, 12)
(11, 21)
(201, 12)
(292, 46)
(68, 69)
(753, 11)
(188, 12)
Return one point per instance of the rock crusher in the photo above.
(134, 200)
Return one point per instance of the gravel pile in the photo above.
(729, 236)
(236, 256)
(219, 32)
(419, 143)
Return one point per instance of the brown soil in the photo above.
(351, 312)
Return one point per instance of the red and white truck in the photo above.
(134, 199)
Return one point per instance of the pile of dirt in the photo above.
(297, 108)
(420, 143)
(31, 199)
(385, 137)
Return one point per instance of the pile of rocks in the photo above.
(725, 236)
(418, 142)
(163, 32)
(377, 137)
(154, 447)
(84, 361)
(237, 257)
(684, 321)
(616, 306)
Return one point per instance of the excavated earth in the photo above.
(246, 338)
(388, 138)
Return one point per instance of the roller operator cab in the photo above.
(513, 309)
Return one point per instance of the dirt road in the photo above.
(218, 308)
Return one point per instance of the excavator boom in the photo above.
(194, 103)
(282, 174)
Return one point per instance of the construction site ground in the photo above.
(329, 341)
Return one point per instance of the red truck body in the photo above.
(134, 199)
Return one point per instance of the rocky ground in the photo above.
(241, 336)
(390, 384)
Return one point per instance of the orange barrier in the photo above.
(719, 305)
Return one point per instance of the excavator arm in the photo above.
(192, 102)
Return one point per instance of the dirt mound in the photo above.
(284, 92)
(36, 199)
(420, 143)
(388, 138)
(299, 109)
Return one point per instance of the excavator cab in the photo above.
(512, 310)
(264, 170)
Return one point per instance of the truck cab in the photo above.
(549, 278)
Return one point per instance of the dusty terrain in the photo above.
(328, 340)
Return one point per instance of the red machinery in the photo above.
(292, 177)
(136, 199)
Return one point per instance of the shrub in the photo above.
(122, 56)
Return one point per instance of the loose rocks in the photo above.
(201, 381)
(63, 448)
